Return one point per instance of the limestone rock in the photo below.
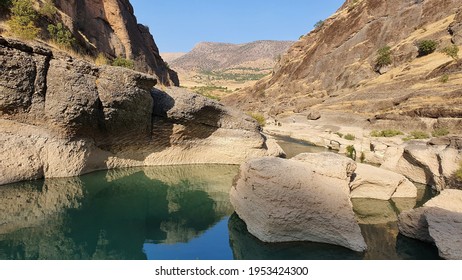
(313, 115)
(377, 183)
(438, 221)
(456, 29)
(288, 200)
(74, 117)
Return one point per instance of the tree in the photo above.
(426, 47)
(22, 22)
(61, 35)
(451, 51)
(48, 9)
(383, 57)
(319, 24)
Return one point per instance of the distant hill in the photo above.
(169, 57)
(207, 56)
(217, 69)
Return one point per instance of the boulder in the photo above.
(377, 183)
(439, 221)
(296, 200)
(313, 115)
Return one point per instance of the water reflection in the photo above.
(114, 214)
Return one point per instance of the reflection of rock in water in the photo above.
(385, 243)
(246, 247)
(378, 222)
(113, 220)
(28, 204)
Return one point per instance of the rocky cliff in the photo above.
(61, 116)
(335, 66)
(110, 27)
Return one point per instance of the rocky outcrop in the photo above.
(296, 200)
(377, 183)
(433, 165)
(439, 221)
(110, 27)
(63, 117)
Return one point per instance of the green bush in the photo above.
(386, 133)
(22, 22)
(123, 62)
(459, 172)
(440, 132)
(339, 134)
(426, 47)
(319, 24)
(258, 117)
(61, 35)
(48, 9)
(451, 51)
(383, 57)
(444, 79)
(417, 134)
(350, 137)
(351, 152)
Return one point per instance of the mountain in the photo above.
(216, 69)
(207, 56)
(336, 67)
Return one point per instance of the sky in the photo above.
(177, 25)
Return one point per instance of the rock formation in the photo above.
(439, 221)
(425, 163)
(63, 117)
(377, 183)
(296, 200)
(110, 27)
(333, 68)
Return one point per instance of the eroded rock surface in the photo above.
(439, 221)
(296, 200)
(73, 117)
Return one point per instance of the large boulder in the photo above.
(377, 183)
(439, 221)
(300, 199)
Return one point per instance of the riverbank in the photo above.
(429, 160)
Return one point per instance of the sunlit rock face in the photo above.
(64, 117)
(306, 198)
(110, 27)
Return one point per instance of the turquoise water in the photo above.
(167, 213)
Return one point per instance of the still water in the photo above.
(170, 213)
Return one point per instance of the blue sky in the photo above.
(177, 25)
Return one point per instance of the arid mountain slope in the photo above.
(110, 27)
(334, 66)
(219, 56)
(216, 69)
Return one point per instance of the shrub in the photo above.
(459, 172)
(451, 51)
(417, 134)
(48, 9)
(350, 137)
(101, 59)
(444, 79)
(383, 57)
(22, 22)
(123, 62)
(440, 132)
(351, 152)
(386, 133)
(319, 24)
(258, 117)
(426, 47)
(339, 134)
(61, 35)
(362, 158)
